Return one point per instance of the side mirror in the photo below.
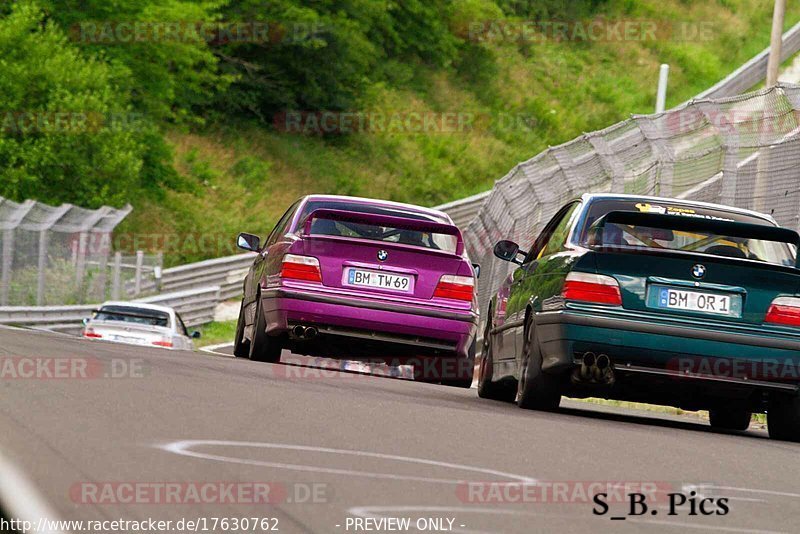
(477, 268)
(507, 251)
(248, 242)
(85, 321)
(196, 334)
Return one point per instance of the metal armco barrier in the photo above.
(196, 307)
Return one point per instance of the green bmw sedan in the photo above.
(653, 300)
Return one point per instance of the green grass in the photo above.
(242, 175)
(217, 332)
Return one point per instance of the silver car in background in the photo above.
(136, 323)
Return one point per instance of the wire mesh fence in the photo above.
(56, 255)
(742, 151)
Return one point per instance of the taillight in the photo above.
(596, 288)
(91, 334)
(301, 268)
(784, 310)
(455, 287)
(163, 343)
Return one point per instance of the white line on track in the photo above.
(20, 500)
(184, 447)
(212, 349)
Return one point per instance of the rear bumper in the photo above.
(406, 327)
(679, 348)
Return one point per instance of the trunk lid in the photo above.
(127, 332)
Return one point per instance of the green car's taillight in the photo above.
(785, 311)
(596, 288)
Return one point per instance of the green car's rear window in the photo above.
(636, 236)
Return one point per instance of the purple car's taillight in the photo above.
(301, 268)
(455, 287)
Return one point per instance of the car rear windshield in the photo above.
(639, 236)
(371, 232)
(128, 314)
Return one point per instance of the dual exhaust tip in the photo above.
(596, 369)
(306, 333)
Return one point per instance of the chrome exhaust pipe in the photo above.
(299, 331)
(604, 371)
(310, 333)
(587, 364)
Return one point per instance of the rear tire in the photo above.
(536, 390)
(241, 348)
(731, 419)
(264, 348)
(783, 419)
(487, 389)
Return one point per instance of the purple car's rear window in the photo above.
(371, 232)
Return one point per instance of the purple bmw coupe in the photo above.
(362, 279)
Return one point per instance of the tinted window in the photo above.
(385, 234)
(640, 236)
(129, 314)
(282, 226)
(551, 240)
(560, 234)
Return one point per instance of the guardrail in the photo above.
(196, 307)
(227, 272)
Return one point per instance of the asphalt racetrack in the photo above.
(333, 452)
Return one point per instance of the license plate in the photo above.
(128, 339)
(698, 301)
(380, 280)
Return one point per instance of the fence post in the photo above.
(102, 275)
(80, 265)
(42, 267)
(661, 92)
(137, 287)
(115, 287)
(8, 265)
(158, 269)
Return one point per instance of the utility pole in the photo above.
(775, 42)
